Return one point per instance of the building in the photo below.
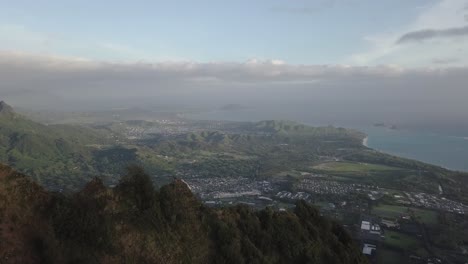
(369, 249)
(390, 224)
(370, 231)
(365, 225)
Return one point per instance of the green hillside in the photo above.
(23, 141)
(54, 153)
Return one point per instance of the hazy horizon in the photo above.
(407, 66)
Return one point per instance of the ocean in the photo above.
(444, 150)
(420, 144)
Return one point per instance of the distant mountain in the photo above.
(394, 127)
(135, 223)
(298, 130)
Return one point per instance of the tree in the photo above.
(137, 186)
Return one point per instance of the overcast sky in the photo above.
(391, 58)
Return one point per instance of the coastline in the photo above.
(364, 141)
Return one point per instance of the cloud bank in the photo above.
(427, 34)
(328, 92)
(439, 30)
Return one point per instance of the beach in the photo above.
(364, 141)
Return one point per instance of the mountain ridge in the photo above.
(136, 223)
(6, 110)
(46, 151)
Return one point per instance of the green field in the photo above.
(394, 211)
(353, 167)
(387, 256)
(400, 240)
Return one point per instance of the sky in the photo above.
(395, 59)
(354, 32)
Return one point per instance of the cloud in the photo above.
(426, 34)
(440, 20)
(445, 60)
(45, 67)
(73, 75)
(327, 92)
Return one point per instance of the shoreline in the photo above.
(364, 141)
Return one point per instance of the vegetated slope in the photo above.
(134, 223)
(25, 141)
(57, 154)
